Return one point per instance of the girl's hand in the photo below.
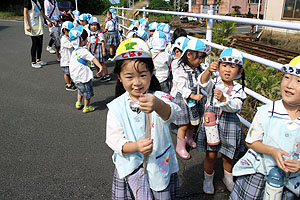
(218, 94)
(147, 102)
(145, 145)
(99, 73)
(104, 54)
(28, 28)
(277, 156)
(213, 67)
(292, 165)
(196, 97)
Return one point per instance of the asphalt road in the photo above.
(50, 150)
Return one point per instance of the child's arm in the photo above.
(196, 97)
(149, 103)
(292, 165)
(207, 73)
(103, 48)
(143, 145)
(96, 62)
(89, 46)
(26, 17)
(276, 153)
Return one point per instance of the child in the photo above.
(54, 33)
(83, 21)
(80, 72)
(273, 140)
(152, 29)
(138, 98)
(166, 29)
(161, 59)
(185, 90)
(75, 15)
(225, 99)
(97, 47)
(142, 34)
(66, 51)
(113, 39)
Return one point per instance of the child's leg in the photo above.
(181, 142)
(79, 98)
(67, 79)
(87, 102)
(111, 51)
(228, 178)
(104, 68)
(209, 163)
(57, 52)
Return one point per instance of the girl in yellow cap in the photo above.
(273, 140)
(137, 128)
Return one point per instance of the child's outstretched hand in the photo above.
(147, 102)
(218, 94)
(213, 67)
(145, 145)
(292, 165)
(277, 156)
(196, 97)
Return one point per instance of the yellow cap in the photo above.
(133, 48)
(293, 67)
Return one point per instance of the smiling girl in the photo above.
(145, 166)
(273, 140)
(225, 100)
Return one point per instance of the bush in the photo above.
(93, 6)
(223, 32)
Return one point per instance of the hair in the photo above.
(243, 76)
(154, 84)
(63, 30)
(178, 32)
(184, 59)
(84, 35)
(98, 26)
(135, 28)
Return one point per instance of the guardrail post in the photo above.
(209, 30)
(144, 12)
(123, 20)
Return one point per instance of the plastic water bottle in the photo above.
(274, 184)
(191, 102)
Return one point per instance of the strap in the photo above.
(96, 43)
(54, 3)
(80, 60)
(157, 54)
(171, 63)
(148, 135)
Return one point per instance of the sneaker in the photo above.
(79, 106)
(110, 59)
(105, 78)
(98, 77)
(71, 88)
(89, 109)
(42, 63)
(51, 50)
(36, 65)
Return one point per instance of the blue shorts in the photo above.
(85, 89)
(66, 70)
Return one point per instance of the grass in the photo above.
(10, 16)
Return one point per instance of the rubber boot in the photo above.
(189, 139)
(228, 181)
(180, 148)
(208, 185)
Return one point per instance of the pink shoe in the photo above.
(189, 139)
(180, 148)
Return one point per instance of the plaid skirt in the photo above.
(230, 133)
(187, 113)
(124, 189)
(253, 187)
(113, 39)
(99, 51)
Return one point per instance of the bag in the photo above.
(211, 128)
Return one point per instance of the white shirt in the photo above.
(93, 37)
(49, 8)
(234, 101)
(181, 81)
(256, 131)
(66, 49)
(110, 26)
(115, 137)
(79, 72)
(161, 61)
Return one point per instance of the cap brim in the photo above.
(132, 54)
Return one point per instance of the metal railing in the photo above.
(210, 17)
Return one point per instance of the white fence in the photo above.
(210, 17)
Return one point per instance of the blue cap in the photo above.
(142, 34)
(94, 20)
(67, 25)
(76, 12)
(196, 45)
(83, 17)
(153, 26)
(231, 55)
(75, 32)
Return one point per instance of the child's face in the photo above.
(83, 23)
(195, 58)
(229, 72)
(290, 89)
(177, 53)
(66, 31)
(135, 81)
(93, 27)
(108, 14)
(84, 42)
(151, 32)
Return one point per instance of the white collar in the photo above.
(280, 111)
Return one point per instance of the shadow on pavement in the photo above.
(101, 105)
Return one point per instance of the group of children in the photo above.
(162, 82)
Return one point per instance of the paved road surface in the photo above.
(50, 150)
